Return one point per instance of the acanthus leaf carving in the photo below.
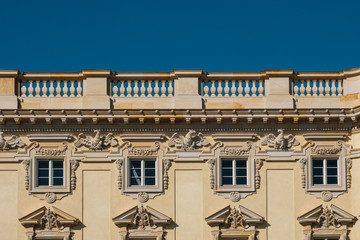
(142, 151)
(279, 142)
(236, 219)
(74, 165)
(142, 218)
(236, 151)
(97, 142)
(211, 165)
(166, 166)
(119, 162)
(190, 141)
(258, 165)
(49, 220)
(327, 218)
(13, 142)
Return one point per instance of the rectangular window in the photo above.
(50, 173)
(325, 171)
(142, 173)
(234, 172)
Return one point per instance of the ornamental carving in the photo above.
(211, 165)
(258, 165)
(236, 151)
(191, 141)
(97, 142)
(49, 220)
(279, 142)
(302, 163)
(51, 152)
(26, 165)
(74, 165)
(327, 219)
(235, 196)
(143, 197)
(119, 162)
(166, 165)
(13, 142)
(142, 218)
(325, 150)
(326, 196)
(50, 197)
(348, 172)
(141, 151)
(236, 219)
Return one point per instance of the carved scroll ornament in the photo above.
(190, 141)
(142, 151)
(13, 142)
(97, 142)
(279, 142)
(236, 151)
(49, 151)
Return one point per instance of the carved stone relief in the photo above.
(13, 142)
(236, 219)
(211, 165)
(236, 151)
(49, 220)
(190, 141)
(97, 142)
(235, 196)
(26, 165)
(49, 151)
(74, 165)
(143, 197)
(142, 218)
(166, 165)
(143, 151)
(119, 162)
(50, 197)
(258, 165)
(279, 142)
(326, 196)
(348, 171)
(302, 163)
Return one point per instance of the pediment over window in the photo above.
(233, 218)
(142, 217)
(326, 217)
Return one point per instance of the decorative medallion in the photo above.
(326, 196)
(143, 197)
(50, 197)
(235, 196)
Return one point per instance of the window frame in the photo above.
(50, 171)
(233, 168)
(142, 170)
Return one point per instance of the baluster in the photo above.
(163, 88)
(156, 89)
(79, 88)
(212, 89)
(253, 88)
(261, 88)
(333, 88)
(315, 87)
(296, 87)
(220, 88)
(327, 87)
(340, 88)
(65, 88)
(142, 88)
(321, 88)
(57, 90)
(37, 88)
(206, 88)
(233, 88)
(150, 89)
(122, 88)
(23, 88)
(170, 88)
(302, 88)
(226, 89)
(45, 88)
(247, 88)
(129, 88)
(308, 88)
(51, 88)
(115, 88)
(72, 88)
(31, 88)
(136, 88)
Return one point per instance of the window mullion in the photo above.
(234, 171)
(142, 172)
(50, 173)
(325, 171)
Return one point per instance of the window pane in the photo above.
(332, 171)
(226, 180)
(58, 164)
(58, 173)
(226, 163)
(43, 181)
(332, 163)
(135, 181)
(43, 164)
(332, 180)
(241, 163)
(149, 172)
(149, 181)
(135, 164)
(241, 180)
(317, 163)
(318, 180)
(43, 173)
(57, 181)
(318, 171)
(226, 172)
(240, 172)
(149, 163)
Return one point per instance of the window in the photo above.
(142, 173)
(50, 173)
(234, 172)
(326, 238)
(325, 171)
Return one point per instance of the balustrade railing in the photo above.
(51, 88)
(142, 88)
(233, 88)
(316, 88)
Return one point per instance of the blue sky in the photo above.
(155, 35)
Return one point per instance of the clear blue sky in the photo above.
(228, 35)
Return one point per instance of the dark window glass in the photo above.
(58, 181)
(58, 164)
(43, 181)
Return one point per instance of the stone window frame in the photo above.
(327, 150)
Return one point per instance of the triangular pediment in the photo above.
(220, 217)
(314, 216)
(34, 218)
(128, 217)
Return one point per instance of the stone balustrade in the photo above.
(183, 89)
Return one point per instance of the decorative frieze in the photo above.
(97, 142)
(279, 142)
(236, 151)
(326, 150)
(13, 142)
(51, 151)
(188, 142)
(143, 151)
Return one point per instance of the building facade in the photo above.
(180, 155)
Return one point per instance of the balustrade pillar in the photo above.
(8, 97)
(278, 89)
(95, 92)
